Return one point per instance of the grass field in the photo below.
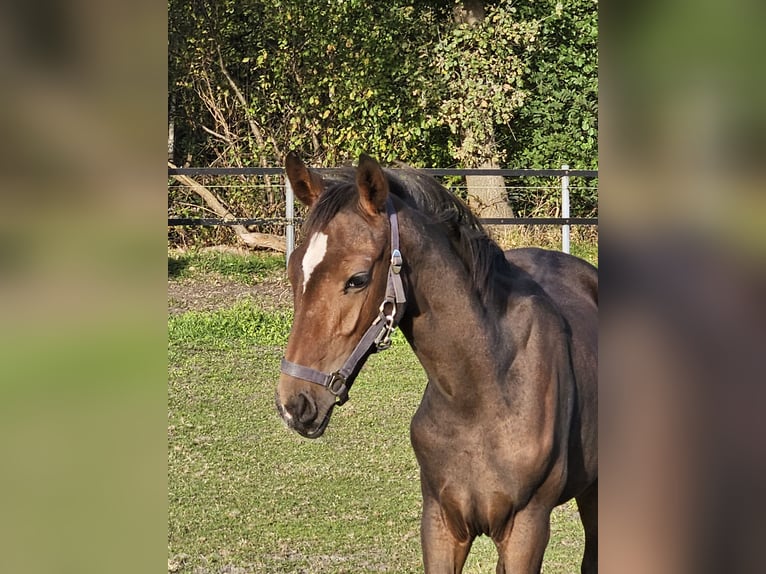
(247, 495)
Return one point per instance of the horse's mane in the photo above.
(482, 257)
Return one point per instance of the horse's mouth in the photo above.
(318, 431)
(311, 432)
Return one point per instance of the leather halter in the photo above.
(378, 335)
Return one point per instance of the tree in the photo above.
(558, 122)
(468, 83)
(482, 63)
(331, 78)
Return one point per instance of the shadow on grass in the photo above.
(176, 266)
(245, 268)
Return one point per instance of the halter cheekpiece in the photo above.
(378, 335)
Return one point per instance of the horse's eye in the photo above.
(358, 281)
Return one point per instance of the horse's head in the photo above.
(338, 276)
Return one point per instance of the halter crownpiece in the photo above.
(378, 334)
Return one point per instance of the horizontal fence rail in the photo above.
(289, 221)
(205, 221)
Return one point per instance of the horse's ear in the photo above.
(372, 184)
(307, 184)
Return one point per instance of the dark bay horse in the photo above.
(507, 427)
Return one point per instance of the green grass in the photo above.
(245, 491)
(585, 250)
(246, 268)
(243, 323)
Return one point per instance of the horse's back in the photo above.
(563, 276)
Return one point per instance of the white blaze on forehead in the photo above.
(313, 256)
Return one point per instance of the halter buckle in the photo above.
(396, 261)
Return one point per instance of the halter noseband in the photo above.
(378, 335)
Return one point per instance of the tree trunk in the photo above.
(486, 194)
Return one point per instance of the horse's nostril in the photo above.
(304, 409)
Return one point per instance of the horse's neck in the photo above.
(446, 324)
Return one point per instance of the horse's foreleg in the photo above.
(523, 546)
(443, 553)
(587, 505)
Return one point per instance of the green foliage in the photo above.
(250, 80)
(397, 80)
(558, 123)
(482, 65)
(333, 78)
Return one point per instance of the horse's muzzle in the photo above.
(302, 415)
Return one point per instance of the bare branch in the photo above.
(216, 134)
(256, 131)
(207, 96)
(277, 148)
(249, 238)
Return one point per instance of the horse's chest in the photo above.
(476, 473)
(472, 467)
(476, 493)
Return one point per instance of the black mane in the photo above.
(481, 256)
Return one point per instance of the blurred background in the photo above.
(82, 279)
(682, 142)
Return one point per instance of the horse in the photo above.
(507, 426)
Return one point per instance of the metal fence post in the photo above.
(565, 209)
(289, 214)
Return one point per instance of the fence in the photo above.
(289, 220)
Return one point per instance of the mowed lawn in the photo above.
(247, 495)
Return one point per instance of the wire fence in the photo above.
(264, 198)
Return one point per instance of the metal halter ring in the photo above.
(383, 340)
(337, 386)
